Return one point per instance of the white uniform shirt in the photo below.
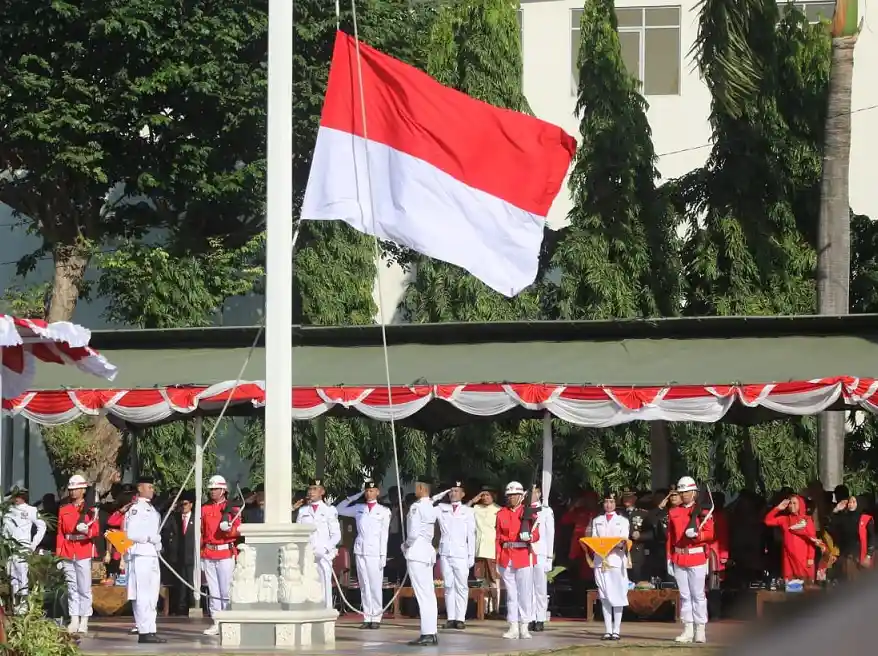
(457, 523)
(18, 523)
(545, 546)
(141, 525)
(327, 531)
(486, 530)
(617, 527)
(373, 526)
(420, 528)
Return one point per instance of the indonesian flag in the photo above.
(451, 177)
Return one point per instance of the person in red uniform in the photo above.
(220, 522)
(515, 562)
(798, 538)
(579, 516)
(78, 527)
(719, 548)
(688, 544)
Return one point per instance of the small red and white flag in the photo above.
(452, 177)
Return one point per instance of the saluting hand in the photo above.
(783, 505)
(298, 504)
(841, 505)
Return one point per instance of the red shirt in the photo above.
(797, 549)
(70, 543)
(682, 550)
(508, 529)
(217, 544)
(720, 545)
(115, 521)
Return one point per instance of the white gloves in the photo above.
(225, 527)
(691, 533)
(547, 566)
(383, 561)
(671, 567)
(82, 527)
(156, 540)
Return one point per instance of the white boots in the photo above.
(688, 633)
(212, 630)
(78, 625)
(517, 630)
(700, 633)
(512, 632)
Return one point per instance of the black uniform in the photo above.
(642, 545)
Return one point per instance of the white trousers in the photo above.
(519, 593)
(455, 576)
(144, 584)
(421, 577)
(324, 567)
(612, 617)
(78, 576)
(541, 593)
(17, 569)
(370, 575)
(219, 581)
(693, 600)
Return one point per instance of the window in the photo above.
(650, 40)
(814, 10)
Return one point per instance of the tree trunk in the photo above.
(834, 236)
(70, 266)
(71, 263)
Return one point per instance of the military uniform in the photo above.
(457, 552)
(19, 523)
(77, 529)
(324, 538)
(544, 548)
(220, 522)
(642, 529)
(141, 526)
(370, 551)
(515, 563)
(421, 558)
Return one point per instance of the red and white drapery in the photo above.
(24, 341)
(594, 406)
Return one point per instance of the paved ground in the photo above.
(110, 636)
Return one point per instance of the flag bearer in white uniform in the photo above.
(421, 558)
(19, 523)
(141, 525)
(611, 574)
(544, 548)
(370, 549)
(457, 552)
(326, 535)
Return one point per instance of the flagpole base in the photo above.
(277, 596)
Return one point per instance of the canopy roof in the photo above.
(687, 351)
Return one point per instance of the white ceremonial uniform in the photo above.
(370, 550)
(421, 557)
(18, 525)
(141, 525)
(457, 551)
(612, 580)
(324, 539)
(544, 548)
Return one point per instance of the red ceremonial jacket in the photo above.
(217, 544)
(71, 544)
(864, 537)
(684, 551)
(720, 545)
(797, 534)
(508, 527)
(115, 521)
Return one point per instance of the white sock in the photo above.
(608, 615)
(617, 619)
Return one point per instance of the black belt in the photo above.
(515, 545)
(76, 537)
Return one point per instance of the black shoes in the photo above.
(607, 637)
(455, 624)
(150, 639)
(425, 641)
(370, 625)
(615, 636)
(536, 627)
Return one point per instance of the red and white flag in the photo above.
(452, 177)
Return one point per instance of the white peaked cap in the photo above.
(686, 484)
(514, 487)
(77, 482)
(217, 482)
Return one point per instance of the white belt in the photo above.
(689, 550)
(218, 547)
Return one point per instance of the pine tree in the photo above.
(618, 257)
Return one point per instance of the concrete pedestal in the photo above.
(277, 595)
